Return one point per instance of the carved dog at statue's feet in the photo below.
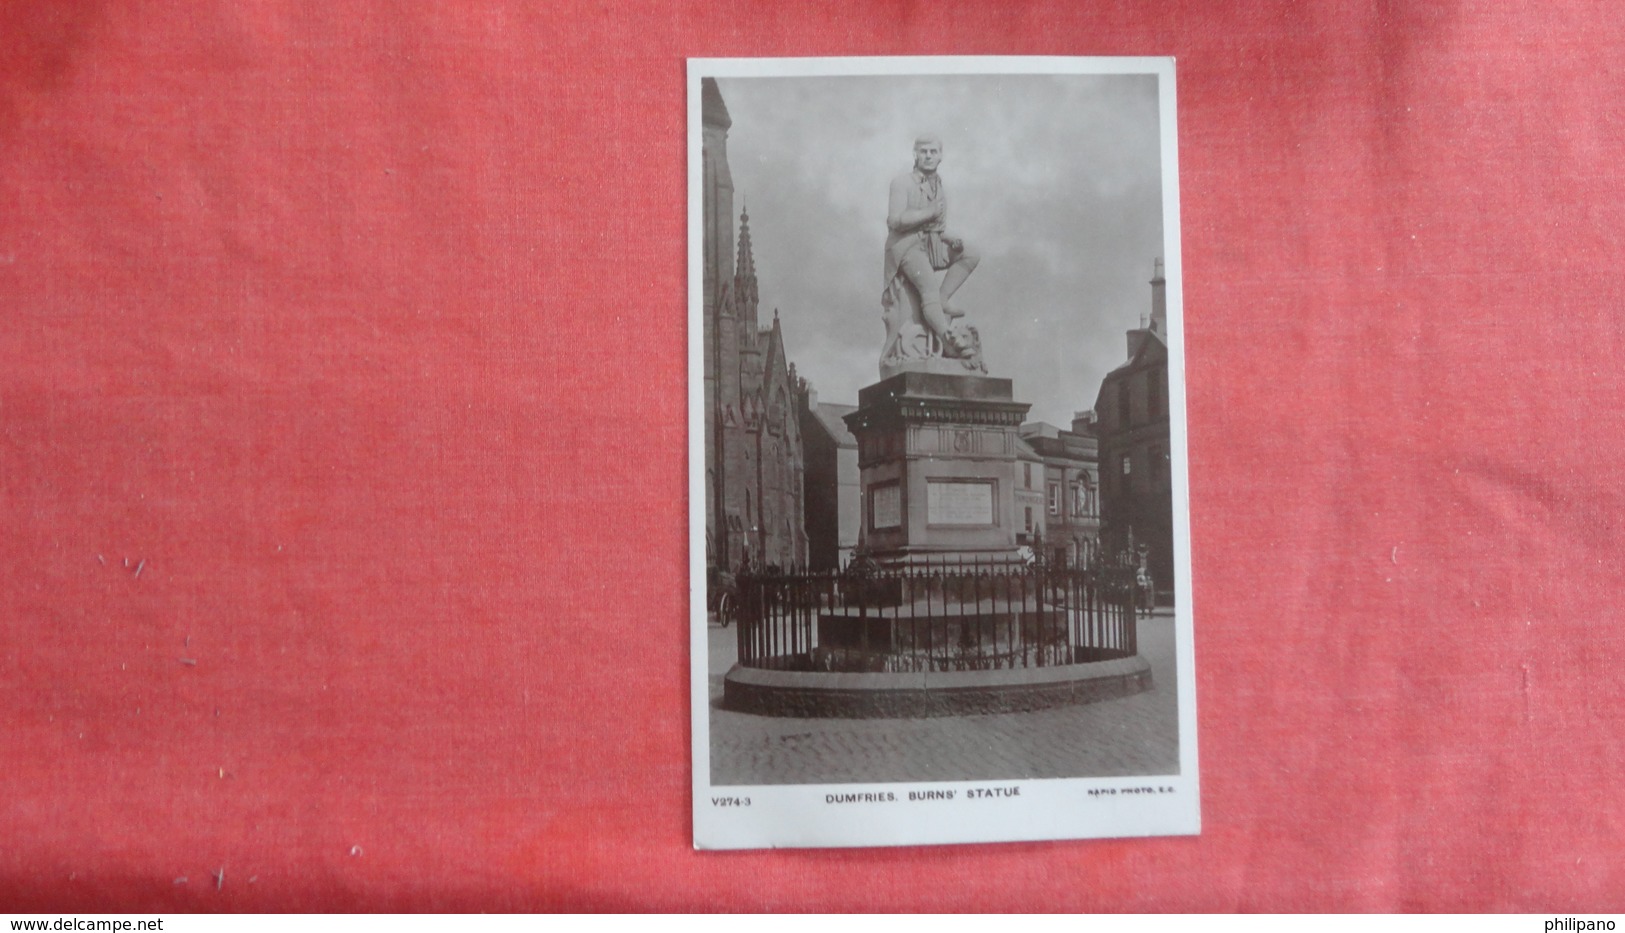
(963, 343)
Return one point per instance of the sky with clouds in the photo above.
(1055, 178)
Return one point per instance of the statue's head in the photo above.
(927, 153)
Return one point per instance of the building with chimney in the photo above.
(1132, 425)
(753, 464)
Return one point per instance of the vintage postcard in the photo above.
(940, 554)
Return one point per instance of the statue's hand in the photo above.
(954, 243)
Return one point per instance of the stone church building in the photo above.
(754, 470)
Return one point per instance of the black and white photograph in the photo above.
(940, 586)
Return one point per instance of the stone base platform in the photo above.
(816, 694)
(934, 364)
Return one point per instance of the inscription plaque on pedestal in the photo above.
(959, 503)
(886, 507)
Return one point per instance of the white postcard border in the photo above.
(839, 815)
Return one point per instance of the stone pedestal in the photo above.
(937, 464)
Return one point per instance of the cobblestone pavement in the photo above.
(1129, 736)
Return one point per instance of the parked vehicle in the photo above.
(721, 597)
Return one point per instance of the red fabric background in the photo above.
(363, 326)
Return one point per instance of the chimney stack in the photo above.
(1159, 300)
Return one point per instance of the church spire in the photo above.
(745, 265)
(745, 273)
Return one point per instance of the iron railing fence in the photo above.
(960, 616)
